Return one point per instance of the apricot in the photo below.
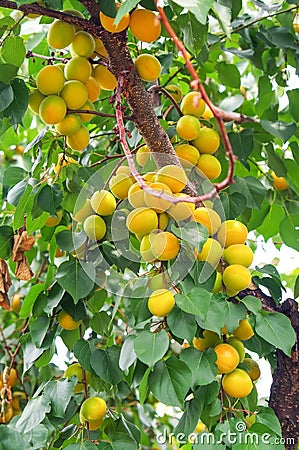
(182, 210)
(105, 78)
(93, 89)
(6, 412)
(145, 25)
(35, 99)
(187, 154)
(66, 321)
(232, 232)
(52, 221)
(209, 218)
(109, 22)
(16, 303)
(207, 114)
(93, 409)
(200, 427)
(174, 176)
(103, 202)
(148, 67)
(254, 369)
(238, 345)
(63, 161)
(218, 283)
(209, 166)
(208, 141)
(158, 204)
(69, 125)
(120, 185)
(165, 245)
(280, 183)
(92, 424)
(78, 68)
(227, 358)
(79, 140)
(163, 220)
(244, 331)
(60, 34)
(74, 94)
(188, 127)
(209, 339)
(136, 196)
(99, 49)
(142, 155)
(211, 252)
(175, 92)
(95, 227)
(238, 254)
(237, 383)
(142, 221)
(50, 80)
(161, 302)
(52, 109)
(193, 104)
(83, 44)
(81, 214)
(236, 277)
(76, 370)
(158, 281)
(88, 106)
(146, 248)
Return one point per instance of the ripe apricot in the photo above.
(109, 22)
(93, 408)
(99, 49)
(182, 210)
(218, 283)
(237, 383)
(211, 252)
(103, 202)
(92, 424)
(95, 227)
(69, 125)
(161, 302)
(238, 345)
(174, 176)
(142, 155)
(232, 232)
(188, 127)
(78, 140)
(175, 91)
(76, 370)
(207, 114)
(227, 358)
(158, 204)
(52, 221)
(165, 245)
(280, 183)
(105, 78)
(209, 218)
(148, 67)
(35, 99)
(83, 44)
(208, 141)
(244, 331)
(16, 303)
(209, 166)
(254, 369)
(60, 34)
(120, 185)
(136, 196)
(209, 339)
(88, 106)
(238, 254)
(187, 154)
(93, 89)
(142, 221)
(200, 427)
(50, 80)
(193, 104)
(79, 215)
(74, 94)
(145, 25)
(163, 220)
(66, 321)
(78, 68)
(236, 277)
(6, 412)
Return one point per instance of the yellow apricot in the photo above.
(279, 183)
(35, 99)
(254, 369)
(209, 339)
(50, 80)
(193, 104)
(158, 204)
(146, 248)
(93, 89)
(165, 245)
(161, 302)
(69, 125)
(238, 345)
(74, 94)
(236, 277)
(79, 140)
(207, 114)
(211, 252)
(79, 215)
(209, 218)
(16, 302)
(227, 358)
(175, 92)
(174, 176)
(52, 109)
(188, 127)
(6, 412)
(103, 202)
(76, 370)
(142, 221)
(66, 321)
(182, 210)
(142, 155)
(218, 283)
(109, 22)
(136, 196)
(238, 254)
(60, 34)
(237, 383)
(78, 68)
(99, 49)
(200, 427)
(63, 160)
(95, 227)
(105, 78)
(209, 166)
(93, 409)
(244, 330)
(208, 141)
(83, 44)
(148, 67)
(120, 184)
(88, 106)
(187, 154)
(145, 25)
(232, 232)
(163, 221)
(52, 221)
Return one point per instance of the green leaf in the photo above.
(49, 198)
(194, 33)
(39, 329)
(202, 365)
(77, 278)
(193, 233)
(101, 323)
(296, 288)
(267, 417)
(197, 302)
(223, 14)
(12, 175)
(282, 130)
(289, 230)
(6, 241)
(271, 223)
(8, 435)
(17, 108)
(251, 188)
(242, 144)
(13, 50)
(122, 441)
(82, 351)
(68, 240)
(181, 324)
(252, 304)
(231, 103)
(200, 8)
(59, 393)
(6, 96)
(125, 8)
(108, 8)
(276, 329)
(216, 316)
(151, 347)
(18, 220)
(229, 75)
(143, 387)
(127, 354)
(105, 363)
(30, 299)
(30, 352)
(33, 413)
(293, 95)
(170, 381)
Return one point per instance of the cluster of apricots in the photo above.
(10, 400)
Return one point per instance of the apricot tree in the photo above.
(140, 143)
